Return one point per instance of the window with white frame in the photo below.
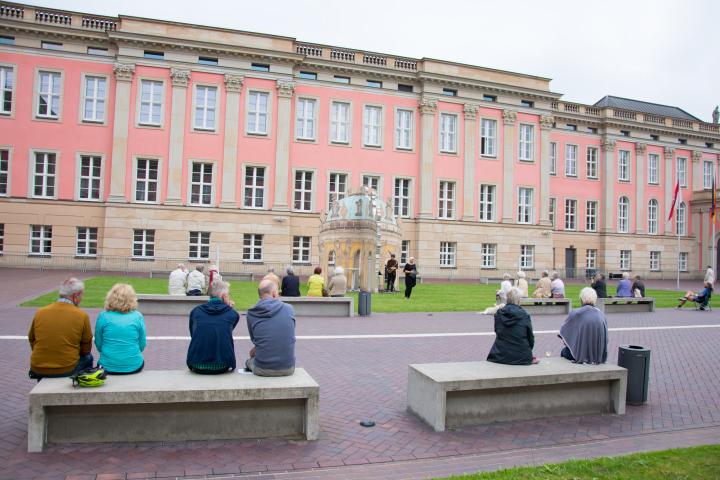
(146, 180)
(252, 247)
(404, 251)
(372, 126)
(623, 212)
(708, 172)
(403, 129)
(201, 183)
(683, 261)
(303, 190)
(570, 214)
(205, 107)
(447, 254)
(525, 205)
(682, 171)
(340, 122)
(652, 217)
(143, 243)
(624, 165)
(7, 89)
(94, 99)
(337, 188)
(681, 219)
(331, 258)
(199, 246)
(2, 237)
(654, 261)
(653, 169)
(448, 133)
(86, 242)
(40, 239)
(301, 250)
(625, 257)
(446, 199)
(488, 137)
(90, 177)
(305, 119)
(591, 162)
(552, 208)
(527, 256)
(254, 190)
(571, 160)
(553, 158)
(590, 258)
(526, 142)
(372, 181)
(257, 115)
(590, 215)
(49, 91)
(44, 175)
(487, 203)
(4, 171)
(489, 255)
(401, 197)
(151, 98)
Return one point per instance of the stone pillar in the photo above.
(608, 186)
(123, 82)
(471, 153)
(233, 88)
(509, 149)
(697, 171)
(640, 149)
(282, 145)
(428, 108)
(180, 78)
(669, 189)
(546, 124)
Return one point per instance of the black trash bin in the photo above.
(364, 304)
(636, 360)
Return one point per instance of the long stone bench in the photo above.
(168, 304)
(322, 306)
(546, 306)
(626, 304)
(174, 405)
(450, 395)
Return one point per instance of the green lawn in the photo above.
(425, 298)
(698, 463)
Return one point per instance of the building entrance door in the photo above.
(570, 263)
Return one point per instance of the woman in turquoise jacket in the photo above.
(120, 332)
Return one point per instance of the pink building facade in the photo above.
(128, 143)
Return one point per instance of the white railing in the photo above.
(52, 17)
(681, 123)
(650, 118)
(405, 64)
(11, 11)
(309, 50)
(624, 114)
(343, 55)
(375, 60)
(104, 24)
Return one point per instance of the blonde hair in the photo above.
(121, 298)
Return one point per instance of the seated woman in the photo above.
(599, 286)
(624, 288)
(700, 298)
(585, 332)
(338, 283)
(120, 332)
(514, 339)
(522, 284)
(316, 283)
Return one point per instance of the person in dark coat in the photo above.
(599, 286)
(585, 332)
(638, 285)
(212, 350)
(514, 339)
(410, 271)
(390, 273)
(290, 284)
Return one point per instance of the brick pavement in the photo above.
(366, 378)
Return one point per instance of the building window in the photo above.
(652, 217)
(340, 122)
(708, 173)
(625, 263)
(487, 203)
(525, 205)
(591, 162)
(401, 197)
(201, 183)
(447, 254)
(94, 99)
(571, 160)
(625, 133)
(450, 92)
(252, 247)
(337, 189)
(7, 40)
(205, 107)
(146, 180)
(260, 67)
(97, 51)
(404, 251)
(489, 255)
(403, 129)
(49, 88)
(683, 261)
(4, 171)
(682, 171)
(303, 190)
(623, 223)
(681, 219)
(553, 158)
(40, 239)
(591, 258)
(682, 141)
(90, 177)
(44, 175)
(527, 142)
(552, 208)
(143, 243)
(308, 75)
(488, 137)
(654, 261)
(7, 88)
(527, 103)
(301, 249)
(208, 61)
(653, 169)
(570, 127)
(655, 138)
(341, 79)
(448, 133)
(254, 195)
(154, 55)
(2, 238)
(405, 88)
(257, 122)
(570, 214)
(199, 246)
(446, 200)
(372, 126)
(51, 45)
(592, 130)
(590, 216)
(709, 145)
(489, 98)
(372, 181)
(86, 242)
(527, 256)
(151, 98)
(374, 83)
(624, 166)
(305, 121)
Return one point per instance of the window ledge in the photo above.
(142, 259)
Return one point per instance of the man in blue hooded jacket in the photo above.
(271, 324)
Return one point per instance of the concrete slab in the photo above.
(546, 306)
(168, 304)
(322, 306)
(625, 305)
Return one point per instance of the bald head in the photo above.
(267, 289)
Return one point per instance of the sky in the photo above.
(661, 51)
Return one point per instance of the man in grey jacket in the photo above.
(271, 324)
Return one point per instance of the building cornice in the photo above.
(489, 87)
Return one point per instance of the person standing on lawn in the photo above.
(391, 273)
(410, 271)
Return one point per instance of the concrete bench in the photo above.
(168, 304)
(625, 304)
(174, 405)
(450, 395)
(322, 306)
(546, 306)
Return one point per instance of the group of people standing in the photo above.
(409, 270)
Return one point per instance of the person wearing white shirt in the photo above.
(710, 275)
(196, 282)
(176, 283)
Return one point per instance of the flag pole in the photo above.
(678, 257)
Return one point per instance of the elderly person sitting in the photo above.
(514, 339)
(543, 288)
(599, 286)
(557, 287)
(522, 284)
(702, 298)
(338, 283)
(585, 332)
(196, 282)
(176, 282)
(624, 288)
(120, 332)
(290, 284)
(506, 285)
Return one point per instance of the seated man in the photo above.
(290, 284)
(212, 350)
(638, 287)
(176, 282)
(271, 324)
(60, 335)
(196, 281)
(514, 339)
(624, 288)
(270, 275)
(585, 332)
(599, 286)
(701, 298)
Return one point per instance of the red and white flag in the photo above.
(677, 200)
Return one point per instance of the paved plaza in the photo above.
(361, 366)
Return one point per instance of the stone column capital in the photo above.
(608, 145)
(696, 156)
(428, 106)
(124, 71)
(669, 152)
(285, 89)
(470, 110)
(546, 122)
(640, 148)
(509, 117)
(233, 83)
(180, 77)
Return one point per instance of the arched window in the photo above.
(652, 217)
(623, 224)
(681, 226)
